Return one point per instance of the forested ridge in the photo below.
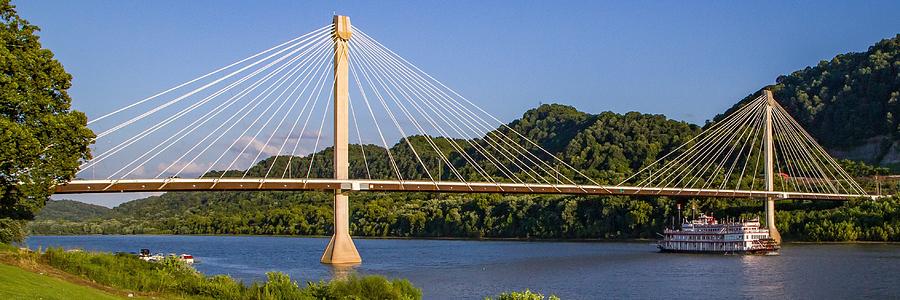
(855, 88)
(69, 210)
(606, 147)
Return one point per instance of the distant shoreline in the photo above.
(472, 239)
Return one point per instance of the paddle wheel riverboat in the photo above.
(706, 235)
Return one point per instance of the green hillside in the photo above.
(607, 146)
(69, 210)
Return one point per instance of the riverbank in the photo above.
(59, 274)
(24, 278)
(487, 239)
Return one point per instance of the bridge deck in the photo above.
(259, 184)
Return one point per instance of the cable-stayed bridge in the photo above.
(259, 125)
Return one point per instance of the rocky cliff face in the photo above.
(879, 150)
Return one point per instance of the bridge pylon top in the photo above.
(769, 97)
(342, 29)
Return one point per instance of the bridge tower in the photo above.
(770, 168)
(341, 249)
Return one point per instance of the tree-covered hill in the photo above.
(850, 104)
(607, 147)
(69, 210)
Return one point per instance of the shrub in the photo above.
(525, 295)
(365, 287)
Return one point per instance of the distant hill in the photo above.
(69, 210)
(850, 104)
(606, 146)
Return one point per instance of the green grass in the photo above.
(16, 283)
(122, 274)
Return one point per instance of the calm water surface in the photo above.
(474, 269)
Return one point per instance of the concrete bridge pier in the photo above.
(770, 219)
(341, 249)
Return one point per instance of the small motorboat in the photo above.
(184, 257)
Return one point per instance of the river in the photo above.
(457, 269)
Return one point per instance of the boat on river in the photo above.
(146, 256)
(706, 235)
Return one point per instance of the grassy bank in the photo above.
(58, 274)
(19, 283)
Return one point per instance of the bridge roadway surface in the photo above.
(261, 184)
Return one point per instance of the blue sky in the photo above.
(688, 61)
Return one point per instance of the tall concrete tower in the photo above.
(341, 249)
(770, 168)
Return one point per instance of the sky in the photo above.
(689, 60)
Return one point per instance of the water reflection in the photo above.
(341, 272)
(475, 269)
(762, 276)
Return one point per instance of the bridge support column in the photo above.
(770, 219)
(770, 168)
(341, 249)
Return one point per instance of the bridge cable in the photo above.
(321, 70)
(312, 159)
(688, 144)
(171, 119)
(265, 94)
(209, 74)
(354, 70)
(190, 129)
(373, 68)
(399, 85)
(253, 102)
(477, 108)
(393, 118)
(464, 154)
(283, 118)
(182, 97)
(489, 138)
(317, 90)
(707, 142)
